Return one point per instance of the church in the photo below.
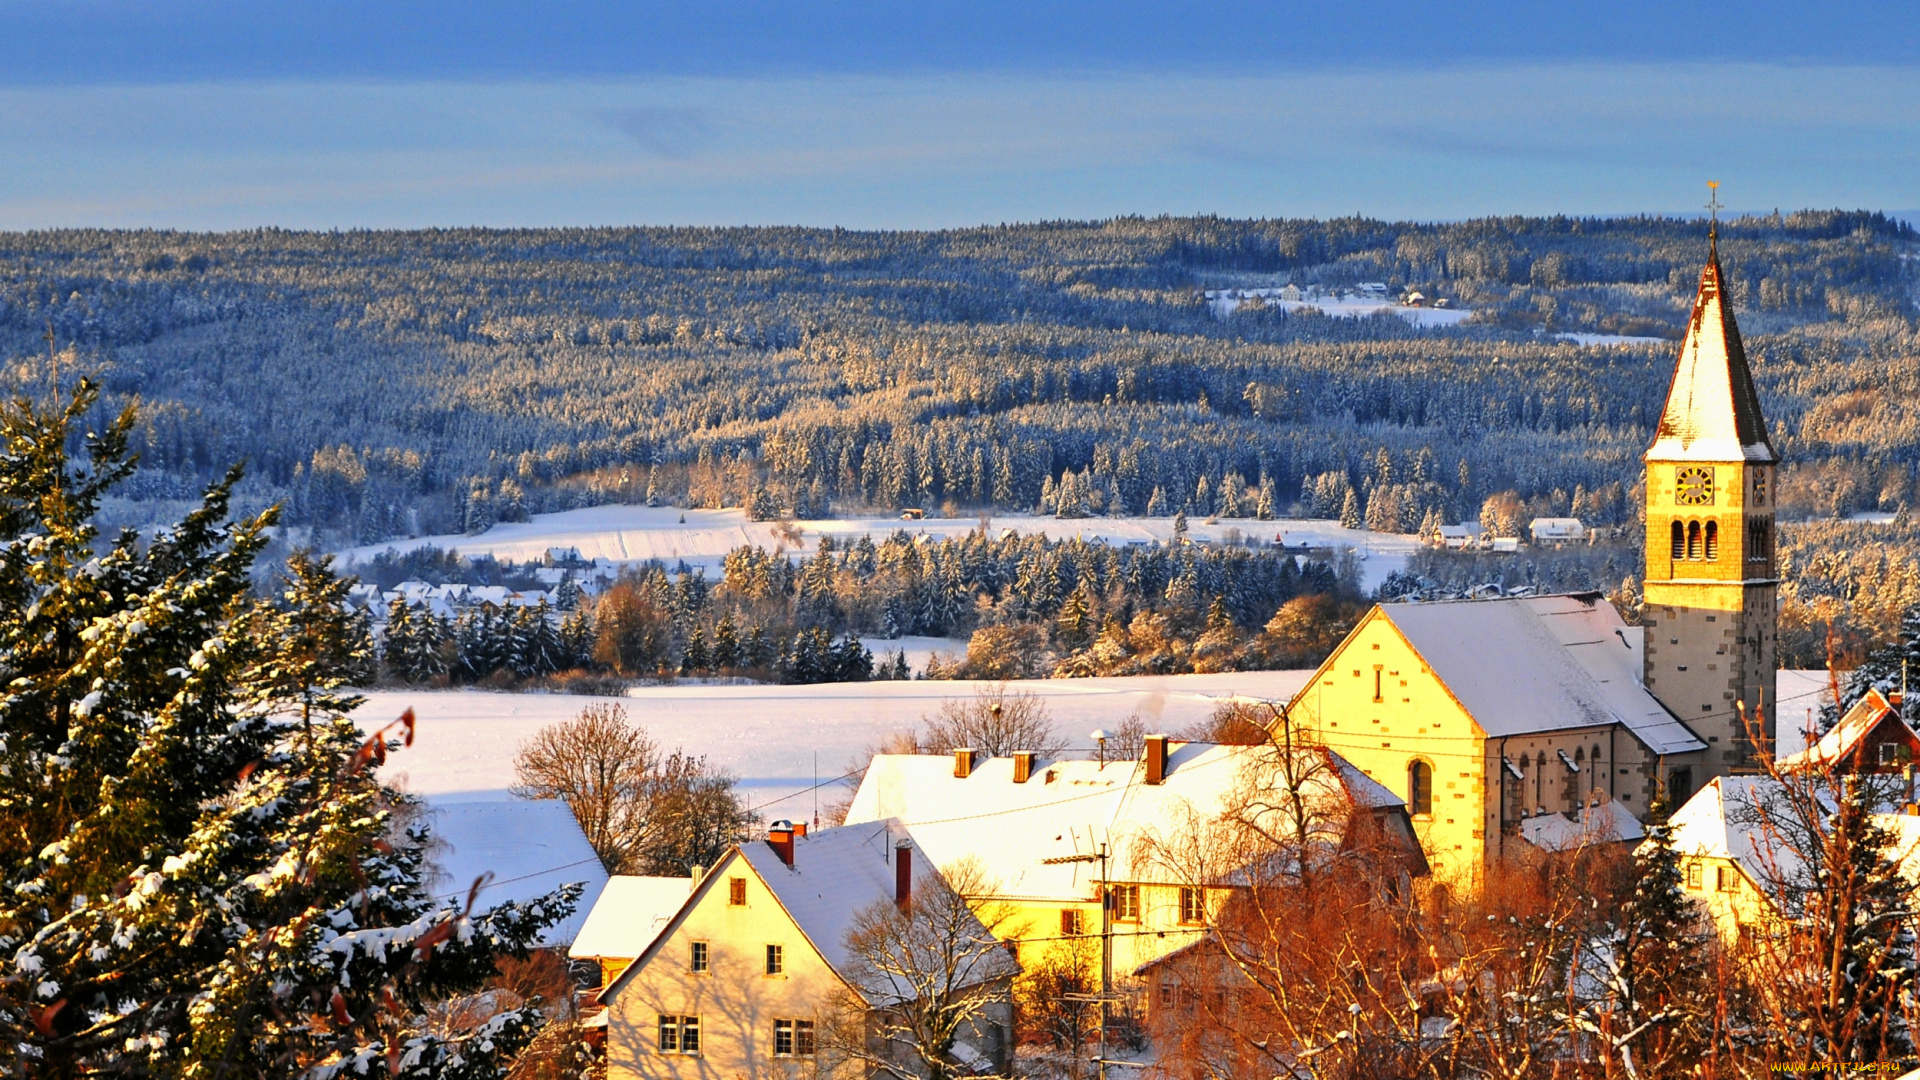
(1485, 715)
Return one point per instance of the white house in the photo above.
(1552, 529)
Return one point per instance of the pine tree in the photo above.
(694, 658)
(1350, 511)
(567, 595)
(1180, 527)
(1654, 1008)
(577, 635)
(1230, 485)
(1264, 508)
(726, 644)
(202, 874)
(1157, 503)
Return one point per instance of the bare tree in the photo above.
(644, 812)
(924, 976)
(996, 721)
(600, 763)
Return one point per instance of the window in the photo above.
(1713, 541)
(1070, 922)
(697, 958)
(1419, 789)
(1193, 904)
(679, 1034)
(737, 892)
(1593, 774)
(1679, 540)
(776, 959)
(1166, 994)
(1693, 540)
(1376, 682)
(1694, 873)
(1126, 903)
(793, 1038)
(1726, 879)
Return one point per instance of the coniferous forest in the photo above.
(386, 384)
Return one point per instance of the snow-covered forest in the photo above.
(388, 383)
(392, 384)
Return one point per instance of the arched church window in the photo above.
(1419, 788)
(1693, 540)
(1679, 540)
(1713, 541)
(1539, 778)
(1593, 773)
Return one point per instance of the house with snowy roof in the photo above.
(629, 914)
(1055, 836)
(514, 850)
(1871, 738)
(743, 977)
(1738, 845)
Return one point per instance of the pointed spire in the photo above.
(1713, 411)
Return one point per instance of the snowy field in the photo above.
(1612, 339)
(1224, 302)
(770, 736)
(631, 534)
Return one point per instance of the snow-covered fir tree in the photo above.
(203, 876)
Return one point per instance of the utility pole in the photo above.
(1106, 994)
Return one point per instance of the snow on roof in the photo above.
(837, 874)
(1540, 663)
(1712, 412)
(1604, 822)
(629, 914)
(531, 846)
(1867, 714)
(1020, 832)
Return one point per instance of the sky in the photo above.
(211, 114)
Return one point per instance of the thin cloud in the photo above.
(675, 132)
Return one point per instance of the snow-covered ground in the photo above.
(1800, 695)
(770, 736)
(702, 538)
(1350, 306)
(1611, 339)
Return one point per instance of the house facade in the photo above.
(1055, 837)
(745, 977)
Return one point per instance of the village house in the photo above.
(1485, 714)
(1870, 738)
(1055, 836)
(743, 977)
(1557, 530)
(626, 918)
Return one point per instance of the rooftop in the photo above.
(1712, 411)
(1540, 663)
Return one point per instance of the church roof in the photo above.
(1712, 412)
(1520, 665)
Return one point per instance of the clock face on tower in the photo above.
(1693, 485)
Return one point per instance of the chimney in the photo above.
(964, 759)
(694, 876)
(780, 839)
(799, 829)
(1022, 766)
(1156, 759)
(903, 872)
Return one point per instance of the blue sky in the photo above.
(354, 114)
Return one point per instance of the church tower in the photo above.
(1711, 610)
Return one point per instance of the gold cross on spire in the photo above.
(1713, 209)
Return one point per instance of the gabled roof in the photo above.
(629, 915)
(1849, 735)
(1540, 663)
(836, 875)
(1712, 411)
(530, 846)
(1022, 832)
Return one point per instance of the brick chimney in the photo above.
(780, 839)
(964, 759)
(799, 829)
(1156, 751)
(903, 872)
(1022, 766)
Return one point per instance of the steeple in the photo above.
(1712, 413)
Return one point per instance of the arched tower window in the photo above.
(1693, 540)
(1679, 540)
(1419, 788)
(1593, 770)
(1713, 541)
